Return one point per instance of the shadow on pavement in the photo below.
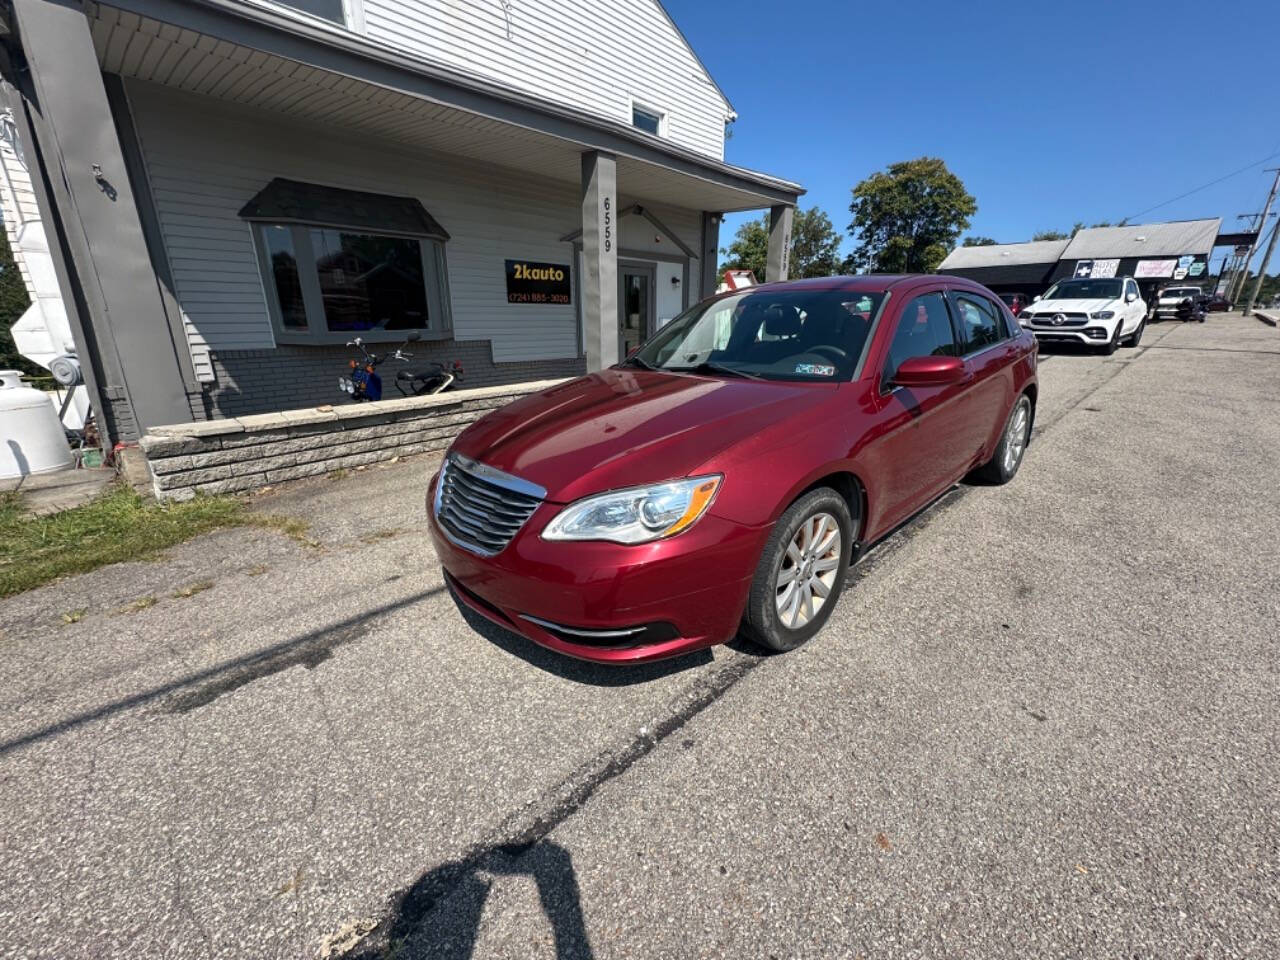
(439, 916)
(579, 671)
(197, 689)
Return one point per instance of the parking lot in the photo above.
(1042, 723)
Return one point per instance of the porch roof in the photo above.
(246, 53)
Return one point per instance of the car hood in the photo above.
(622, 427)
(1074, 306)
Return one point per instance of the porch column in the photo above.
(709, 254)
(80, 149)
(779, 261)
(600, 259)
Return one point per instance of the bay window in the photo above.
(338, 263)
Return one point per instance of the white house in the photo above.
(232, 189)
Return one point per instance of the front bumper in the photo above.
(1095, 334)
(609, 602)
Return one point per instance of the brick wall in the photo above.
(239, 453)
(260, 381)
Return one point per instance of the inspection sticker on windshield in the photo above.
(816, 369)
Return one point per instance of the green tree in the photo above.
(13, 303)
(977, 242)
(909, 217)
(814, 247)
(1051, 235)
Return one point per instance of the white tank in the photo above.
(31, 438)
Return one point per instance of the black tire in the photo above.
(761, 622)
(1114, 342)
(998, 469)
(1136, 337)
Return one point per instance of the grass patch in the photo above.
(119, 525)
(134, 606)
(74, 616)
(191, 589)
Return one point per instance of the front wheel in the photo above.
(801, 571)
(1007, 458)
(1114, 342)
(1136, 337)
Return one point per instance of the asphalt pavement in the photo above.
(1041, 722)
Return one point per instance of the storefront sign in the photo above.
(1105, 268)
(1196, 268)
(530, 282)
(1084, 268)
(1149, 269)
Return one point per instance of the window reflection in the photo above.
(284, 270)
(370, 282)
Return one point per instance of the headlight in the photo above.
(1024, 319)
(1103, 315)
(636, 515)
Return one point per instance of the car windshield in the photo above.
(772, 335)
(1105, 289)
(1181, 292)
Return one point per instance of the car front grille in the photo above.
(1069, 320)
(481, 508)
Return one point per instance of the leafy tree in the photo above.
(13, 303)
(814, 246)
(1076, 228)
(977, 242)
(1051, 235)
(909, 217)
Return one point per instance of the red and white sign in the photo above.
(1155, 268)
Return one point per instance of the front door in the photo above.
(635, 306)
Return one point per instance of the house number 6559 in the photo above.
(608, 224)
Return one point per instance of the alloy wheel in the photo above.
(1016, 439)
(809, 569)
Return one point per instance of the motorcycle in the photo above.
(364, 385)
(1191, 308)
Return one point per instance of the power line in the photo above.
(1205, 186)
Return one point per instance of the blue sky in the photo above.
(1049, 112)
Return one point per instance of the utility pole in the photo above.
(1256, 224)
(1266, 258)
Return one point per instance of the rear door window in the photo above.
(981, 323)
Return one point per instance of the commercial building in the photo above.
(1154, 254)
(229, 190)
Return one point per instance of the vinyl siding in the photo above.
(205, 160)
(595, 55)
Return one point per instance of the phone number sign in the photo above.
(530, 282)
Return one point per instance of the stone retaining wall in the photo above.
(227, 456)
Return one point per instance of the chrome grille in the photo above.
(1046, 319)
(481, 508)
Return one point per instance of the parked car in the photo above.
(1099, 311)
(1016, 302)
(726, 474)
(1217, 303)
(1168, 299)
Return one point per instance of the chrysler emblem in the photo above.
(1059, 319)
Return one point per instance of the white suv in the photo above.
(1103, 311)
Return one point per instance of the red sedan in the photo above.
(724, 477)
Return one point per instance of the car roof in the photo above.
(866, 283)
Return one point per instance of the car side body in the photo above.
(888, 449)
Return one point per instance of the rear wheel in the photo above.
(801, 571)
(1007, 458)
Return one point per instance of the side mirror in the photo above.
(413, 337)
(1036, 298)
(929, 372)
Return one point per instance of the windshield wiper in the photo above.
(708, 366)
